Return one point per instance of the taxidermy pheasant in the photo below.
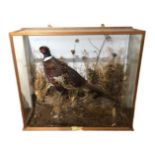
(62, 76)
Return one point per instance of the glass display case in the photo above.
(77, 78)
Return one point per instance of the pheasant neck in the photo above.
(47, 58)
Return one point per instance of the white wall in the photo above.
(23, 13)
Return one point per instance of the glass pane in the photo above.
(24, 66)
(78, 80)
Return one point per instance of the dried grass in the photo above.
(79, 106)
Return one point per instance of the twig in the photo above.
(98, 49)
(93, 44)
(99, 53)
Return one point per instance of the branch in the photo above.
(93, 45)
(100, 50)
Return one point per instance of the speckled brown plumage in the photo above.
(55, 68)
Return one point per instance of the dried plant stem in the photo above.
(98, 49)
(99, 53)
(93, 45)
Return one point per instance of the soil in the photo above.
(79, 116)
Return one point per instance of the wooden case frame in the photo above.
(75, 31)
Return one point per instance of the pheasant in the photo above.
(59, 73)
(62, 76)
